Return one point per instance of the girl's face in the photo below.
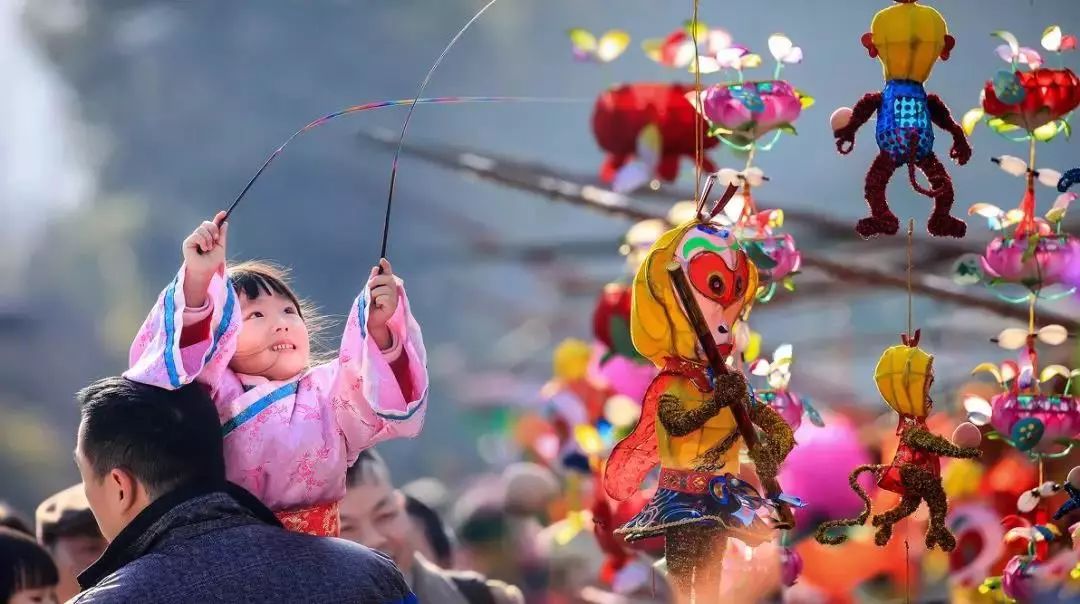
(273, 341)
(37, 595)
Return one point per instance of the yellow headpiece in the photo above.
(909, 38)
(658, 326)
(903, 376)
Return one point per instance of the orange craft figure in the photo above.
(904, 375)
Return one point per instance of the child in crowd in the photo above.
(291, 427)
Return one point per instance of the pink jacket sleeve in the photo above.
(157, 357)
(366, 397)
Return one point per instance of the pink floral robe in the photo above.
(288, 442)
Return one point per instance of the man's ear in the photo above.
(950, 44)
(868, 43)
(123, 488)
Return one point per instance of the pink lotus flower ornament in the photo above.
(1036, 422)
(746, 111)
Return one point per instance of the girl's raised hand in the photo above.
(204, 254)
(383, 294)
(204, 248)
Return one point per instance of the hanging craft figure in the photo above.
(904, 375)
(645, 128)
(1028, 103)
(908, 38)
(697, 409)
(1028, 414)
(789, 404)
(749, 116)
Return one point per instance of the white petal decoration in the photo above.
(1048, 177)
(978, 409)
(780, 46)
(1049, 489)
(1054, 335)
(1012, 338)
(1028, 501)
(1012, 165)
(1051, 38)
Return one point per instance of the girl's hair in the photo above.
(255, 278)
(23, 564)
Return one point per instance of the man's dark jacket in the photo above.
(223, 545)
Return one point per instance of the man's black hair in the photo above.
(434, 530)
(164, 438)
(368, 465)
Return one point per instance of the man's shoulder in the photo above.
(327, 558)
(127, 584)
(247, 562)
(335, 551)
(339, 569)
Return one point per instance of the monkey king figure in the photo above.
(687, 423)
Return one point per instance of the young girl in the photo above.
(27, 573)
(291, 428)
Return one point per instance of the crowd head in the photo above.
(137, 442)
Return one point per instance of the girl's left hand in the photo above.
(382, 294)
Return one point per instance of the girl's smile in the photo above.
(273, 342)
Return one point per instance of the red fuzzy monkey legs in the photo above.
(941, 223)
(885, 521)
(881, 220)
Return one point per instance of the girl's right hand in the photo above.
(204, 248)
(204, 254)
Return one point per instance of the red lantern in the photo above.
(1048, 95)
(622, 113)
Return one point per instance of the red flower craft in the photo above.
(1048, 95)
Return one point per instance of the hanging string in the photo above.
(405, 124)
(907, 571)
(1031, 313)
(910, 269)
(446, 100)
(699, 144)
(911, 333)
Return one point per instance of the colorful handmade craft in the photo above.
(688, 423)
(907, 38)
(903, 376)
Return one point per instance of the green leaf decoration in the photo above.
(788, 129)
(1029, 251)
(759, 257)
(1000, 126)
